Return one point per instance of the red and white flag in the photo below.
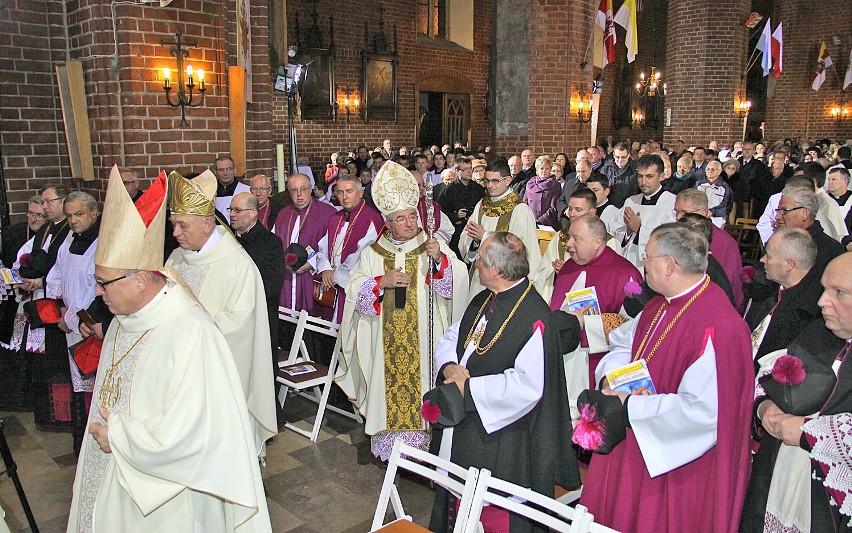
(823, 62)
(606, 24)
(778, 50)
(764, 44)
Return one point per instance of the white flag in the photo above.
(764, 44)
(848, 79)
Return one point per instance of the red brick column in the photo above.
(705, 58)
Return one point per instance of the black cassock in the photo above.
(534, 451)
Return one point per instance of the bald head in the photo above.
(244, 214)
(836, 299)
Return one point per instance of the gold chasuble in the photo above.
(401, 344)
(385, 356)
(507, 213)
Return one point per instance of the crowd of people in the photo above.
(514, 293)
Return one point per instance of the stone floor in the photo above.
(310, 487)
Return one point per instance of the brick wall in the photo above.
(418, 60)
(705, 59)
(32, 138)
(129, 121)
(793, 109)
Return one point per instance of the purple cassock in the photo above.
(727, 252)
(308, 225)
(704, 494)
(608, 273)
(351, 229)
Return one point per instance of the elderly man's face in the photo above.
(447, 176)
(300, 191)
(748, 150)
(683, 207)
(403, 225)
(713, 171)
(192, 232)
(777, 166)
(790, 215)
(656, 267)
(527, 157)
(386, 144)
(836, 184)
(80, 218)
(118, 294)
(35, 216)
(583, 247)
(348, 194)
(581, 155)
(836, 299)
(130, 183)
(774, 261)
(594, 154)
(514, 165)
(261, 188)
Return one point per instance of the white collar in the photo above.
(211, 243)
(505, 194)
(700, 281)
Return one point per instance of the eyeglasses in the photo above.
(301, 190)
(646, 257)
(103, 284)
(494, 181)
(402, 220)
(259, 189)
(239, 210)
(224, 169)
(128, 182)
(51, 200)
(681, 212)
(784, 211)
(36, 215)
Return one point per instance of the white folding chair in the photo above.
(560, 517)
(452, 477)
(318, 380)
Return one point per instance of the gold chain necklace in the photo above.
(475, 334)
(670, 324)
(110, 390)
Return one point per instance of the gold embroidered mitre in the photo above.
(192, 197)
(131, 235)
(395, 189)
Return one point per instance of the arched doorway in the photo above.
(443, 111)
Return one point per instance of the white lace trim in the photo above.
(193, 275)
(94, 462)
(833, 448)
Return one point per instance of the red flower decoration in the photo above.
(747, 274)
(430, 411)
(290, 259)
(590, 431)
(25, 260)
(788, 369)
(631, 289)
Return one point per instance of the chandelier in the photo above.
(651, 85)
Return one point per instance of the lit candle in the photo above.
(279, 152)
(167, 75)
(189, 74)
(201, 78)
(356, 103)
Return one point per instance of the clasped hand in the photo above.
(456, 374)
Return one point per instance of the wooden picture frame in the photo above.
(379, 86)
(316, 92)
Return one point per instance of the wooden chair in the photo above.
(301, 373)
(732, 216)
(452, 477)
(553, 514)
(748, 238)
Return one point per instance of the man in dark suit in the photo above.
(267, 206)
(267, 252)
(752, 170)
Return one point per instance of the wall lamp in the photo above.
(743, 108)
(350, 102)
(584, 108)
(638, 117)
(186, 79)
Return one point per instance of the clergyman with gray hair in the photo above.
(502, 361)
(798, 209)
(692, 436)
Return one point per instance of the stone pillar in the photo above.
(705, 59)
(511, 66)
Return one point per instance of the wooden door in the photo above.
(457, 118)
